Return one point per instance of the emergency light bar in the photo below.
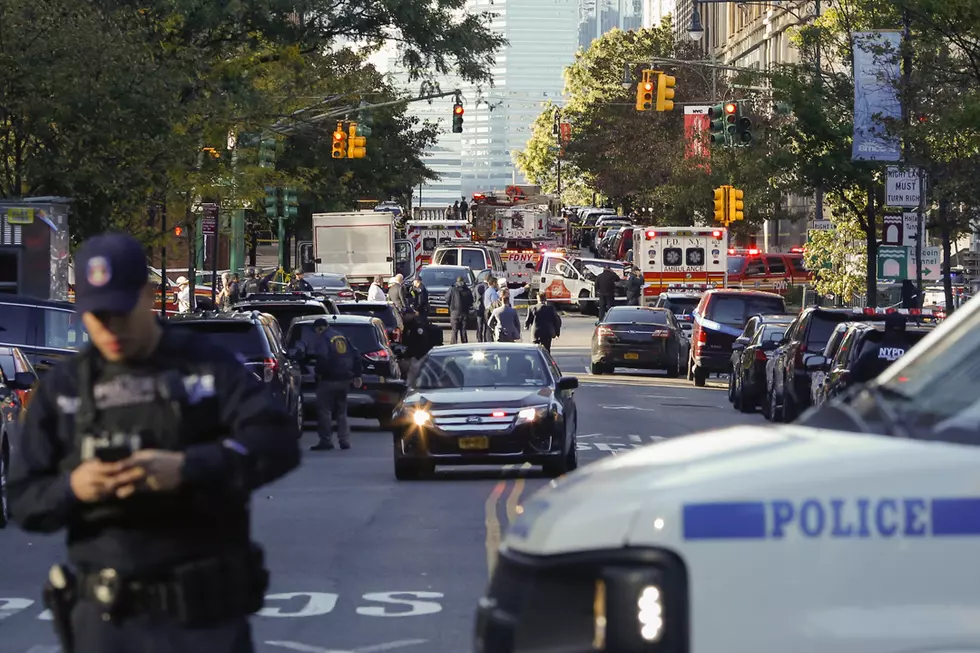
(742, 252)
(796, 250)
(714, 233)
(895, 311)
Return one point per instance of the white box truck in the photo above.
(361, 245)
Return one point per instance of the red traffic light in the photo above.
(730, 108)
(648, 86)
(458, 109)
(338, 136)
(178, 231)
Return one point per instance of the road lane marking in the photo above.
(492, 523)
(588, 435)
(376, 648)
(645, 410)
(515, 494)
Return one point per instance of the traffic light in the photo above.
(267, 152)
(644, 92)
(735, 204)
(665, 92)
(290, 203)
(731, 119)
(339, 142)
(457, 118)
(744, 127)
(178, 231)
(271, 202)
(716, 116)
(356, 145)
(721, 205)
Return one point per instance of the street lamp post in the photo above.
(556, 130)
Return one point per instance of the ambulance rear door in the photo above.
(679, 255)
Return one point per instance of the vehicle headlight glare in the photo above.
(421, 418)
(530, 414)
(650, 613)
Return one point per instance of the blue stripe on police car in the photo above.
(861, 518)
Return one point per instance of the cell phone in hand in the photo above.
(113, 454)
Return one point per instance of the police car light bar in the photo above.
(751, 251)
(895, 311)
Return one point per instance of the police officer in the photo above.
(545, 321)
(253, 284)
(634, 287)
(605, 289)
(146, 446)
(338, 365)
(298, 283)
(459, 299)
(878, 357)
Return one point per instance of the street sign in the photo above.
(932, 263)
(893, 263)
(911, 223)
(893, 231)
(821, 225)
(902, 187)
(209, 223)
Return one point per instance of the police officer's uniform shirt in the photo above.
(235, 438)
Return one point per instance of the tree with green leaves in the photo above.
(837, 257)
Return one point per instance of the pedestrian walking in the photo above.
(183, 295)
(544, 322)
(337, 366)
(145, 446)
(459, 299)
(634, 287)
(605, 290)
(419, 299)
(481, 309)
(504, 321)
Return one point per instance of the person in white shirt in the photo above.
(183, 295)
(376, 293)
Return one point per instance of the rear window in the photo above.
(285, 314)
(737, 310)
(683, 305)
(634, 315)
(773, 331)
(14, 319)
(440, 277)
(474, 259)
(364, 337)
(383, 313)
(242, 338)
(327, 282)
(821, 328)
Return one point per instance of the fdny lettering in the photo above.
(834, 518)
(890, 353)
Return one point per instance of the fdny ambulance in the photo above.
(427, 235)
(854, 530)
(669, 256)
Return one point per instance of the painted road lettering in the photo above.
(303, 604)
(835, 518)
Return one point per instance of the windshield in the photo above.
(482, 369)
(735, 264)
(774, 332)
(736, 310)
(637, 316)
(364, 337)
(241, 338)
(441, 277)
(682, 305)
(821, 328)
(383, 313)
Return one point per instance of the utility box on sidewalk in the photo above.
(35, 247)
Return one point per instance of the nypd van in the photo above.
(855, 530)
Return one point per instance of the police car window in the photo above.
(776, 265)
(474, 259)
(843, 352)
(62, 330)
(770, 332)
(286, 314)
(384, 313)
(448, 257)
(735, 264)
(683, 305)
(822, 325)
(241, 338)
(7, 369)
(14, 322)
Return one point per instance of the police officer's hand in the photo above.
(152, 470)
(93, 480)
(357, 382)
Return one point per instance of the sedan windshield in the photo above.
(482, 369)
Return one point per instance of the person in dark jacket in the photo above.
(255, 284)
(605, 290)
(420, 299)
(878, 357)
(145, 446)
(544, 322)
(910, 295)
(634, 287)
(481, 309)
(337, 367)
(298, 283)
(459, 299)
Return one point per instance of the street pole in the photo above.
(906, 150)
(819, 82)
(281, 235)
(919, 235)
(214, 255)
(164, 285)
(557, 131)
(190, 224)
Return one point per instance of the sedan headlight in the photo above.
(421, 417)
(531, 414)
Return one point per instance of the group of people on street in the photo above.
(607, 284)
(233, 290)
(457, 210)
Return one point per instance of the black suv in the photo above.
(438, 279)
(286, 307)
(46, 331)
(381, 310)
(257, 341)
(376, 398)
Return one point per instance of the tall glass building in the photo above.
(596, 17)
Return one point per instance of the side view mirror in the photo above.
(567, 383)
(529, 266)
(815, 363)
(23, 381)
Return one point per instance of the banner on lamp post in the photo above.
(876, 71)
(697, 125)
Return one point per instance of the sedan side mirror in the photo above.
(815, 363)
(567, 383)
(23, 381)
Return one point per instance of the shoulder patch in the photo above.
(339, 343)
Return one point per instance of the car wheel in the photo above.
(690, 368)
(386, 420)
(731, 388)
(571, 458)
(744, 404)
(700, 378)
(299, 415)
(4, 458)
(775, 411)
(674, 368)
(597, 368)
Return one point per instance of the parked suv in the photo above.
(257, 341)
(438, 279)
(470, 255)
(46, 331)
(682, 304)
(381, 310)
(718, 320)
(286, 307)
(788, 389)
(376, 398)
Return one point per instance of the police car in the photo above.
(855, 530)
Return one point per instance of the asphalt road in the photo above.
(363, 563)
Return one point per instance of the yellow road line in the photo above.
(492, 523)
(515, 495)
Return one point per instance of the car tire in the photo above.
(674, 369)
(742, 403)
(407, 469)
(4, 461)
(765, 405)
(775, 410)
(731, 388)
(299, 415)
(597, 369)
(700, 378)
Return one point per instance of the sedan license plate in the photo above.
(442, 311)
(631, 357)
(474, 443)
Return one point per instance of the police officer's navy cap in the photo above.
(110, 273)
(319, 323)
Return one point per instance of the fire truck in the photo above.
(427, 235)
(752, 269)
(669, 256)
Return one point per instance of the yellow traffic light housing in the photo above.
(735, 205)
(644, 92)
(721, 205)
(356, 145)
(339, 142)
(665, 92)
